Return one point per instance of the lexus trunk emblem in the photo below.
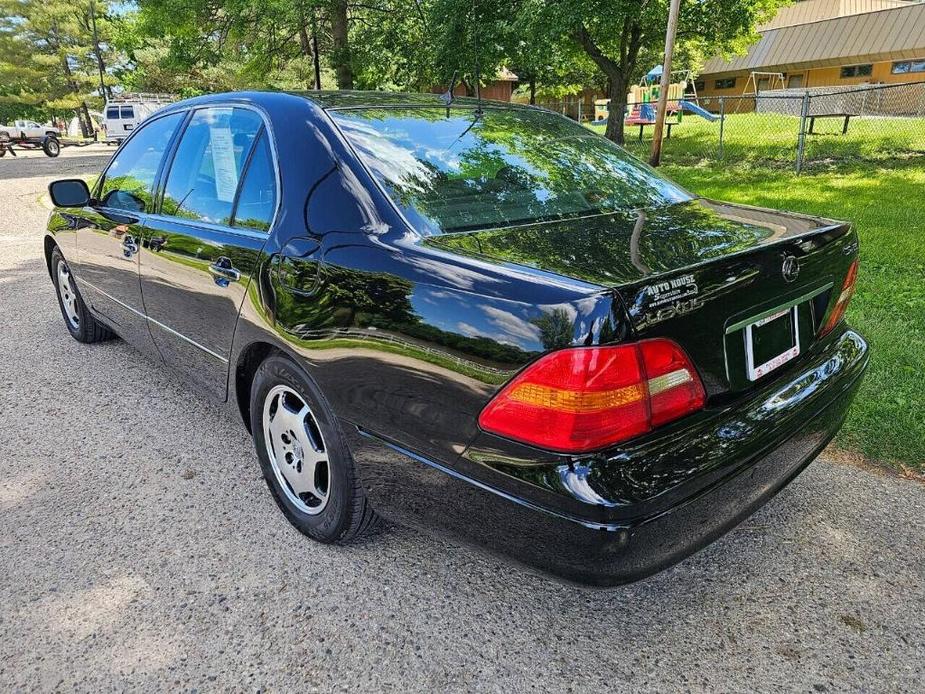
(791, 268)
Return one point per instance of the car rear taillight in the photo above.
(844, 298)
(582, 399)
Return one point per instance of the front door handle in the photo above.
(224, 272)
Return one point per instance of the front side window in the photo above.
(206, 169)
(505, 167)
(129, 180)
(257, 200)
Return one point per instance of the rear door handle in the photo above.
(223, 272)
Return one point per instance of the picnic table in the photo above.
(643, 123)
(846, 116)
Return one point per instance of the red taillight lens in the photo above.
(844, 298)
(582, 399)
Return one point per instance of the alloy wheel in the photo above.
(68, 295)
(296, 449)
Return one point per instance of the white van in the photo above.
(125, 112)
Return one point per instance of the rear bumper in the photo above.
(620, 517)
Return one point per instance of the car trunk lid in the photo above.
(698, 272)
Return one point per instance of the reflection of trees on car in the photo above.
(500, 167)
(348, 298)
(601, 248)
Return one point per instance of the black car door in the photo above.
(203, 247)
(109, 232)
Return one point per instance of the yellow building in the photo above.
(826, 43)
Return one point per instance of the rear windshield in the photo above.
(461, 171)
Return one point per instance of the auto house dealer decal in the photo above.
(671, 291)
(673, 297)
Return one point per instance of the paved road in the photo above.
(139, 548)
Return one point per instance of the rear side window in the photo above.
(127, 111)
(112, 112)
(207, 167)
(257, 199)
(128, 182)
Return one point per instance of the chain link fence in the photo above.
(788, 127)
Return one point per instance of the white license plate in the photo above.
(771, 342)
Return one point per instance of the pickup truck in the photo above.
(23, 129)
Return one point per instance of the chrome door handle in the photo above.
(223, 272)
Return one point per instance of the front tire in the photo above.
(80, 323)
(303, 455)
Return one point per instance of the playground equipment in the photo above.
(759, 82)
(642, 100)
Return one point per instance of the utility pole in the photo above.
(673, 13)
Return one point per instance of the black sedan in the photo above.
(474, 317)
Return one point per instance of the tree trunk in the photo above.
(618, 72)
(87, 129)
(617, 108)
(341, 53)
(532, 91)
(306, 47)
(83, 113)
(316, 58)
(104, 90)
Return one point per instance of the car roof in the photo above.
(346, 99)
(368, 99)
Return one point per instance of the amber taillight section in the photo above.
(583, 399)
(844, 298)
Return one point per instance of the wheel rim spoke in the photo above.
(68, 295)
(296, 449)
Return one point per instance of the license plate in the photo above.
(771, 342)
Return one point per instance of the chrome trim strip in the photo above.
(184, 337)
(771, 311)
(221, 228)
(152, 320)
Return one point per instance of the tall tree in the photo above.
(617, 35)
(61, 48)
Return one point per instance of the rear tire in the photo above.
(51, 147)
(78, 320)
(304, 457)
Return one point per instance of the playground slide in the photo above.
(698, 110)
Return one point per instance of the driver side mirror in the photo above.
(69, 192)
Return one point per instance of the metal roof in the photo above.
(896, 33)
(808, 11)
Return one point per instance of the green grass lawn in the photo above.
(771, 139)
(886, 202)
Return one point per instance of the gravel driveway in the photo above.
(139, 548)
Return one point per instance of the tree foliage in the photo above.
(624, 38)
(50, 56)
(56, 55)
